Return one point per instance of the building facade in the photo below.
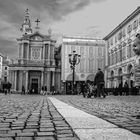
(36, 66)
(5, 69)
(92, 53)
(120, 55)
(1, 60)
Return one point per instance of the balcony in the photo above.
(25, 62)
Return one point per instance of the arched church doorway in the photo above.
(34, 85)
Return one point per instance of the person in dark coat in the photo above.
(83, 86)
(23, 90)
(126, 88)
(99, 82)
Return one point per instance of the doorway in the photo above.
(34, 85)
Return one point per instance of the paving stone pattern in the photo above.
(123, 111)
(32, 118)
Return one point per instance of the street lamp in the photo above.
(74, 59)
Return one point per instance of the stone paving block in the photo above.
(45, 121)
(32, 127)
(14, 131)
(7, 135)
(29, 134)
(46, 129)
(4, 130)
(46, 125)
(6, 138)
(68, 138)
(45, 133)
(17, 125)
(4, 125)
(62, 125)
(45, 138)
(62, 128)
(29, 130)
(24, 138)
(32, 123)
(17, 128)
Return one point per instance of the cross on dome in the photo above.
(37, 21)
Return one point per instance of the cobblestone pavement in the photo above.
(26, 117)
(124, 111)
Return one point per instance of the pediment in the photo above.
(36, 37)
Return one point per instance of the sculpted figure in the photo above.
(136, 49)
(136, 45)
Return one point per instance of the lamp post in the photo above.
(74, 59)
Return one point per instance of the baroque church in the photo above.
(39, 63)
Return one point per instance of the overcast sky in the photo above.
(90, 18)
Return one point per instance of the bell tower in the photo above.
(26, 26)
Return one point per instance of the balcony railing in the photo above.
(49, 62)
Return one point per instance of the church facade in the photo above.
(37, 65)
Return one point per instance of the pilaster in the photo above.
(26, 83)
(15, 80)
(42, 79)
(48, 80)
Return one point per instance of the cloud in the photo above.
(8, 47)
(56, 9)
(49, 11)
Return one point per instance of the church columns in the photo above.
(27, 52)
(43, 52)
(48, 80)
(42, 79)
(53, 78)
(15, 80)
(49, 54)
(26, 81)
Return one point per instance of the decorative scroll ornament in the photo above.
(136, 49)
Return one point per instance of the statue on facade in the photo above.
(136, 49)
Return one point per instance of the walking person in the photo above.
(99, 82)
(23, 90)
(83, 86)
(126, 88)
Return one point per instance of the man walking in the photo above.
(99, 82)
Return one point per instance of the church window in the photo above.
(129, 51)
(111, 41)
(119, 35)
(129, 29)
(36, 53)
(135, 24)
(90, 52)
(123, 33)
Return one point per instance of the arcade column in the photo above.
(15, 80)
(42, 79)
(26, 80)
